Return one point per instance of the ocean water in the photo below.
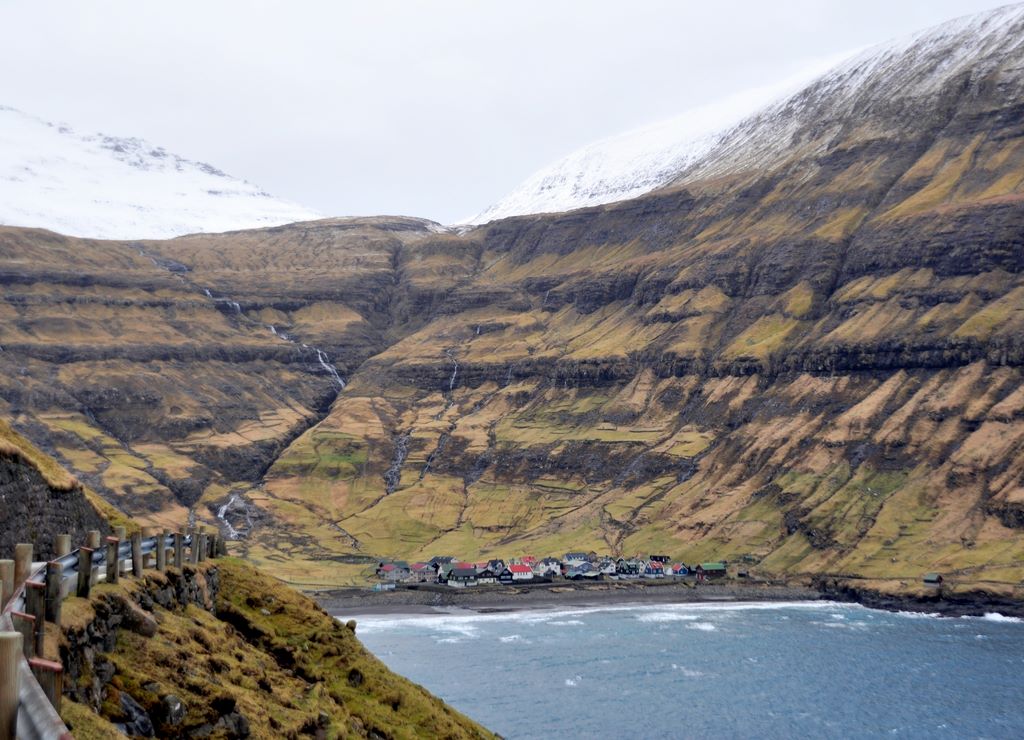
(781, 670)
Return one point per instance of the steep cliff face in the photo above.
(807, 350)
(38, 500)
(169, 375)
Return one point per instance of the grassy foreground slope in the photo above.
(264, 660)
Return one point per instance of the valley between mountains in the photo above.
(806, 349)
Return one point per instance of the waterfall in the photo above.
(232, 533)
(222, 511)
(455, 372)
(208, 294)
(322, 359)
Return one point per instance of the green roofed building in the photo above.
(714, 570)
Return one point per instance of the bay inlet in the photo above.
(776, 670)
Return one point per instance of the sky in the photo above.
(424, 108)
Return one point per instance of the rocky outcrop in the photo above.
(33, 510)
(92, 678)
(220, 651)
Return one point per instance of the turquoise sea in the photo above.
(779, 670)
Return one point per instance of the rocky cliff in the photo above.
(216, 651)
(807, 351)
(38, 500)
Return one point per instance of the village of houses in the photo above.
(524, 570)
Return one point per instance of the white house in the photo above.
(521, 572)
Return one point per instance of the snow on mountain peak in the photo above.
(107, 187)
(754, 129)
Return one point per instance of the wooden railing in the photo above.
(31, 594)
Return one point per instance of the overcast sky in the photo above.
(431, 109)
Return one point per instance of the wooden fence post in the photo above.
(84, 572)
(202, 546)
(149, 560)
(122, 536)
(61, 546)
(193, 554)
(22, 563)
(10, 653)
(113, 545)
(179, 550)
(7, 576)
(26, 625)
(35, 604)
(50, 676)
(92, 539)
(54, 580)
(161, 552)
(137, 554)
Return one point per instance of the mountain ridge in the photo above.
(814, 362)
(100, 186)
(742, 134)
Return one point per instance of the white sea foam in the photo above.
(702, 626)
(667, 617)
(688, 672)
(919, 615)
(997, 617)
(513, 638)
(574, 681)
(856, 625)
(465, 620)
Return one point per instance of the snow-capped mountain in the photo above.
(897, 79)
(120, 188)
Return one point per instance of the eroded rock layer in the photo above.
(812, 359)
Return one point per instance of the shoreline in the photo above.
(428, 599)
(491, 600)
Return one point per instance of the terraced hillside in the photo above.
(807, 349)
(166, 386)
(809, 353)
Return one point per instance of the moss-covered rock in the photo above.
(233, 655)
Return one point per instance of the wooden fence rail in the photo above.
(30, 685)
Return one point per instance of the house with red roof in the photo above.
(654, 569)
(521, 572)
